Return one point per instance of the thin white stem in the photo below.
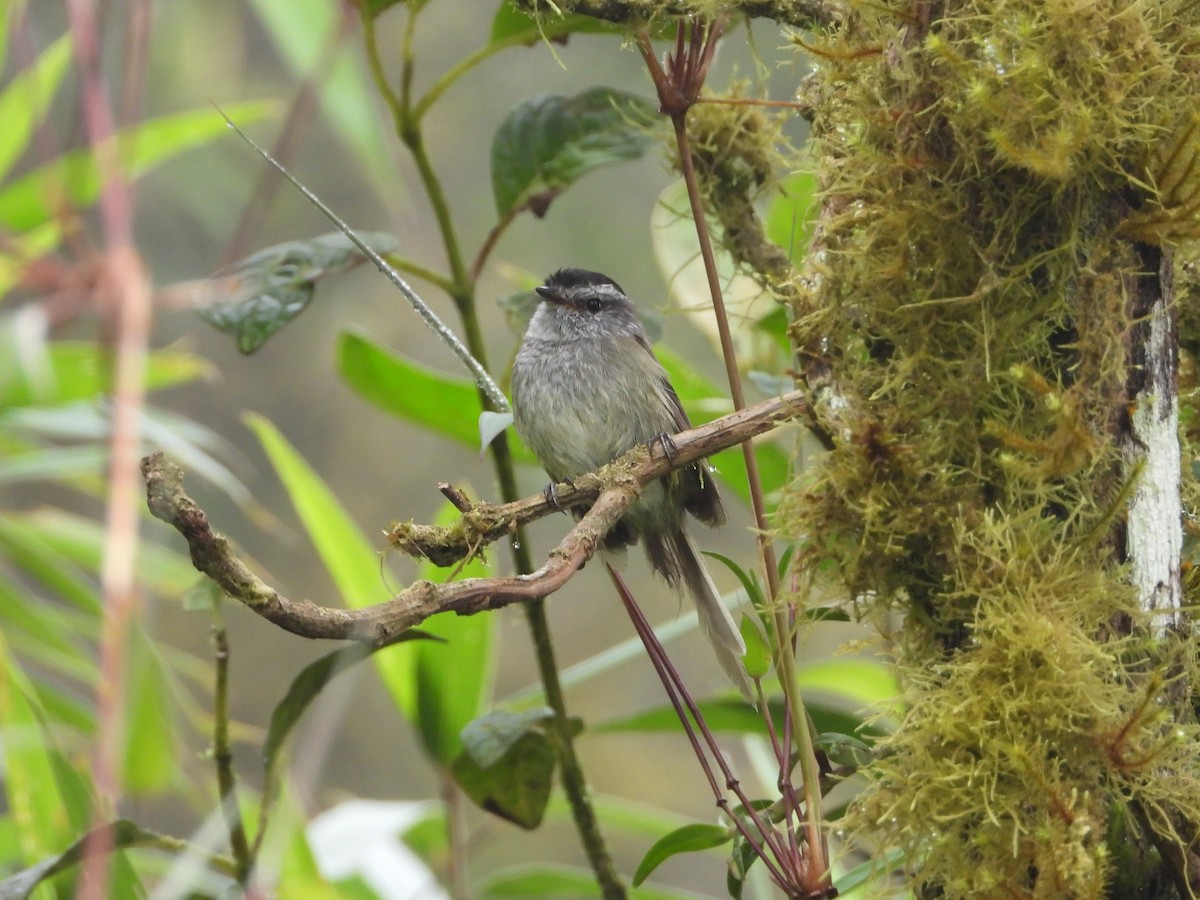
(440, 328)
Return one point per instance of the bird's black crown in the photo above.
(565, 279)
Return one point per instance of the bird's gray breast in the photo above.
(579, 404)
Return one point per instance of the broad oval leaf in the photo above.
(549, 142)
(256, 297)
(444, 404)
(350, 558)
(688, 839)
(507, 765)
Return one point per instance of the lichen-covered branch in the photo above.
(615, 488)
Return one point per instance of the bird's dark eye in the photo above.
(594, 304)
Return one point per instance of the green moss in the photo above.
(965, 315)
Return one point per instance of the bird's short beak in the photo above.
(549, 294)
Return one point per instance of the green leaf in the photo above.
(151, 750)
(740, 861)
(734, 715)
(82, 542)
(861, 684)
(688, 839)
(38, 559)
(256, 297)
(507, 765)
(31, 787)
(73, 178)
(43, 633)
(748, 581)
(53, 464)
(68, 371)
(549, 142)
(790, 216)
(119, 835)
(305, 687)
(25, 101)
(547, 881)
(844, 750)
(377, 8)
(757, 657)
(513, 25)
(24, 248)
(444, 404)
(351, 560)
(302, 31)
(454, 676)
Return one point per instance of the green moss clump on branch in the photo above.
(991, 179)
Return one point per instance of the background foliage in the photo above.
(299, 465)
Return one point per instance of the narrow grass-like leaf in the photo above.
(42, 633)
(789, 220)
(546, 881)
(302, 30)
(688, 839)
(119, 835)
(31, 787)
(25, 548)
(549, 142)
(35, 198)
(53, 464)
(305, 687)
(81, 542)
(67, 371)
(151, 760)
(25, 100)
(735, 715)
(454, 675)
(351, 560)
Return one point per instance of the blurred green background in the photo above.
(306, 59)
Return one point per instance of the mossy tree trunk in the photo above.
(987, 322)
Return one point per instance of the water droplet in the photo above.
(516, 545)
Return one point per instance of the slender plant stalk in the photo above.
(223, 757)
(676, 95)
(408, 124)
(785, 651)
(127, 289)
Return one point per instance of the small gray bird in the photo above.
(587, 388)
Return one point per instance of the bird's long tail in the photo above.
(715, 619)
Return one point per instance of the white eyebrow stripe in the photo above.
(608, 291)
